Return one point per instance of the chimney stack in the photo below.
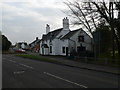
(47, 29)
(66, 23)
(36, 38)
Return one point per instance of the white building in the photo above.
(62, 41)
(21, 45)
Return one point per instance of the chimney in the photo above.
(36, 38)
(66, 24)
(119, 14)
(47, 29)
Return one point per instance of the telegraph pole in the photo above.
(112, 29)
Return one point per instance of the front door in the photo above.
(42, 51)
(66, 51)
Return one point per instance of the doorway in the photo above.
(66, 51)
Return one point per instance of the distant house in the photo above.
(63, 41)
(35, 45)
(21, 45)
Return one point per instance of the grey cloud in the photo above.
(27, 28)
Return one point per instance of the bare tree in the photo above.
(83, 14)
(90, 13)
(108, 12)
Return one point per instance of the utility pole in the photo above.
(113, 32)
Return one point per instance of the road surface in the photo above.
(19, 72)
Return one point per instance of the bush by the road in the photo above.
(5, 43)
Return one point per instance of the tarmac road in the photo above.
(19, 72)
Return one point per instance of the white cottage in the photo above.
(77, 41)
(21, 45)
(62, 41)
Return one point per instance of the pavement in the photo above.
(82, 65)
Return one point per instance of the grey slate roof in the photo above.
(52, 34)
(35, 42)
(70, 34)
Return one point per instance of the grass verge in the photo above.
(40, 58)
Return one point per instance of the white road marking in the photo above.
(21, 64)
(18, 72)
(65, 80)
(12, 61)
(25, 65)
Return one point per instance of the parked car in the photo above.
(20, 50)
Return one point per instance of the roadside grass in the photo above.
(40, 58)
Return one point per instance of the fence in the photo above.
(103, 61)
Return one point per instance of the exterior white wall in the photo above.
(44, 51)
(63, 43)
(23, 46)
(40, 47)
(71, 43)
(87, 40)
(56, 46)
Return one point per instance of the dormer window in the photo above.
(81, 38)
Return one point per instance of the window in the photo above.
(63, 49)
(50, 42)
(80, 38)
(50, 49)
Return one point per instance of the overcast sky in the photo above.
(24, 20)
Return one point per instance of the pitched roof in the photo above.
(35, 41)
(52, 34)
(70, 34)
